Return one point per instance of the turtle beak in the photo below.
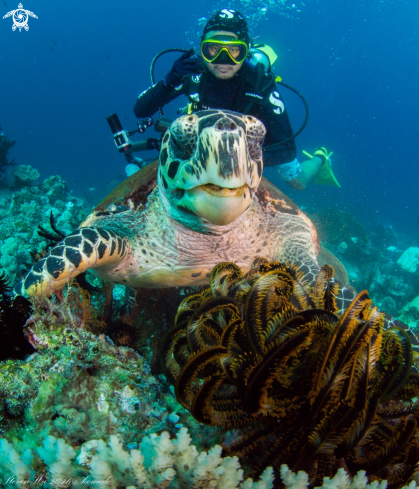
(218, 205)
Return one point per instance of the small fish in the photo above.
(106, 56)
(4, 3)
(53, 41)
(52, 49)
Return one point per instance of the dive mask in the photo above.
(224, 50)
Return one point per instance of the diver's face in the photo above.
(222, 72)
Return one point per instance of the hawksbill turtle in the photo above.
(204, 202)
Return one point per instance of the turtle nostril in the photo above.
(226, 125)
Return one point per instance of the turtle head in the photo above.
(210, 166)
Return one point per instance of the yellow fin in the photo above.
(326, 176)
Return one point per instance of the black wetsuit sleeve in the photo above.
(278, 127)
(158, 95)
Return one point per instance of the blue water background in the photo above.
(357, 64)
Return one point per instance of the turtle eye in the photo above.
(255, 135)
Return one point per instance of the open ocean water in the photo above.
(357, 64)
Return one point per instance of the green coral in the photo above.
(22, 211)
(77, 385)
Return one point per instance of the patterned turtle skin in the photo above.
(204, 202)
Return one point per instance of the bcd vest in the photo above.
(255, 88)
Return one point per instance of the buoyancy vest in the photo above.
(255, 86)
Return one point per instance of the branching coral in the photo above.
(159, 463)
(265, 354)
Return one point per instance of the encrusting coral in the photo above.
(269, 357)
(24, 205)
(22, 211)
(77, 385)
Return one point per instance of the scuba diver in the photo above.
(232, 76)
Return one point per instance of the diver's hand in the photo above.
(153, 143)
(188, 64)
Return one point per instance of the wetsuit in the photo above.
(250, 91)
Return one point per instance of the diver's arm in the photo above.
(160, 94)
(155, 97)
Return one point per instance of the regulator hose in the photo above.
(153, 62)
(272, 147)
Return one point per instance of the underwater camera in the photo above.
(120, 136)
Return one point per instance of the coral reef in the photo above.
(157, 463)
(24, 205)
(340, 481)
(23, 210)
(271, 358)
(409, 314)
(372, 256)
(409, 260)
(77, 385)
(20, 176)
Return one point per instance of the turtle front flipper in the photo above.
(87, 248)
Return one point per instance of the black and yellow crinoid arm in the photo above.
(87, 248)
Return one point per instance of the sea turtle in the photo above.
(169, 224)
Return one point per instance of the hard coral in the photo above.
(22, 176)
(268, 356)
(77, 385)
(20, 214)
(158, 463)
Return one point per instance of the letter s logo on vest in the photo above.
(279, 104)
